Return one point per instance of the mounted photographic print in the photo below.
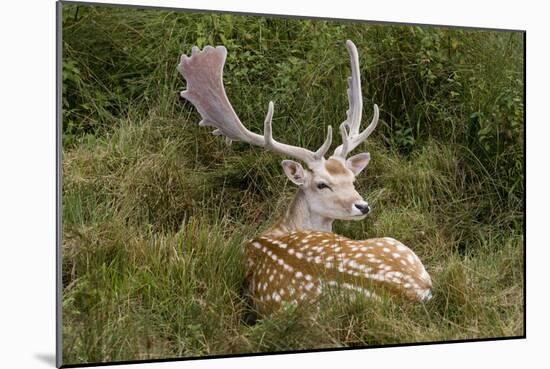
(241, 184)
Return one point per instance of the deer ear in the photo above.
(358, 162)
(294, 171)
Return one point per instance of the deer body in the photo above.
(299, 256)
(299, 265)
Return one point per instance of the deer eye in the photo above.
(322, 185)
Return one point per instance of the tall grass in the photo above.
(155, 209)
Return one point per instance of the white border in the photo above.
(27, 182)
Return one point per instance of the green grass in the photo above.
(156, 210)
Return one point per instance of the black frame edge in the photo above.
(525, 184)
(370, 21)
(230, 356)
(59, 176)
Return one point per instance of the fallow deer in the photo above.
(299, 256)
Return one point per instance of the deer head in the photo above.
(327, 185)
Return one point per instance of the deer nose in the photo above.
(364, 208)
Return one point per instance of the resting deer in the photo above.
(299, 256)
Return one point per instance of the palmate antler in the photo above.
(349, 129)
(203, 72)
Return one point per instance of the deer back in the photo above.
(300, 265)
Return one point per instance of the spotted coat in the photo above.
(298, 266)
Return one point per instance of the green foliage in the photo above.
(155, 208)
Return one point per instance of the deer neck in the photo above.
(298, 216)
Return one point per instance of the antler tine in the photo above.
(326, 145)
(203, 72)
(355, 97)
(349, 129)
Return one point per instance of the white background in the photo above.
(27, 181)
